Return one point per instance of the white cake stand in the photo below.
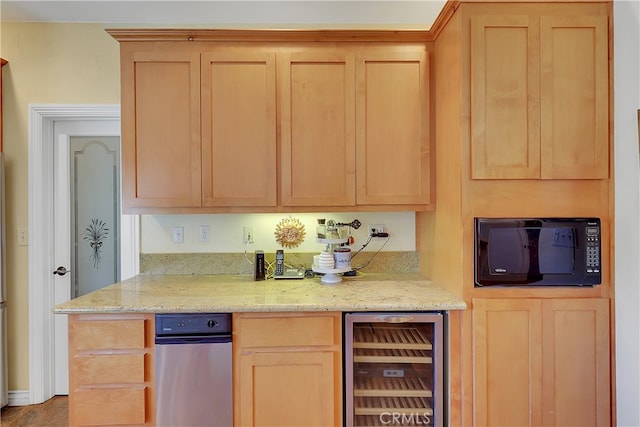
(330, 274)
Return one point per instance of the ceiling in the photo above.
(357, 14)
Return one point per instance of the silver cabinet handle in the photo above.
(61, 271)
(395, 319)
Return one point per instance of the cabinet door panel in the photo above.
(308, 330)
(160, 129)
(239, 128)
(110, 406)
(108, 368)
(392, 115)
(508, 362)
(505, 124)
(317, 98)
(575, 97)
(287, 389)
(576, 362)
(108, 334)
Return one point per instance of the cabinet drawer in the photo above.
(112, 334)
(287, 331)
(110, 406)
(108, 368)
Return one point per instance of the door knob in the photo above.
(61, 271)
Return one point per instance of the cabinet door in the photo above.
(541, 362)
(317, 99)
(392, 115)
(507, 367)
(505, 120)
(576, 365)
(287, 389)
(539, 97)
(574, 97)
(238, 128)
(160, 128)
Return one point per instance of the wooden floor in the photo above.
(52, 413)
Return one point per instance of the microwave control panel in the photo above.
(593, 249)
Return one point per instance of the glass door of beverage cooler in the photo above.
(394, 369)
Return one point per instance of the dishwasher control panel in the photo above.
(170, 324)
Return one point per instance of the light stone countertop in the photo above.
(240, 293)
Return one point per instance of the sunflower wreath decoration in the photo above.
(290, 232)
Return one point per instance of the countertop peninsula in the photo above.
(240, 293)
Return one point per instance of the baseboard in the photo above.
(18, 397)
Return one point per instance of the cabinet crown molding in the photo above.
(258, 35)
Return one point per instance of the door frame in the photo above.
(42, 118)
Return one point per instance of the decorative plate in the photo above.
(290, 232)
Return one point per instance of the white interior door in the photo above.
(87, 232)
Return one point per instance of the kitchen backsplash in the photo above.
(225, 232)
(238, 263)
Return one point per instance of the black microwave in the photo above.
(537, 251)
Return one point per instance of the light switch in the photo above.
(23, 236)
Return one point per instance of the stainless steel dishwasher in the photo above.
(193, 370)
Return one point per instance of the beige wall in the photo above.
(48, 64)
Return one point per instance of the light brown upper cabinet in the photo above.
(232, 123)
(539, 95)
(317, 103)
(392, 133)
(355, 127)
(160, 127)
(199, 128)
(239, 128)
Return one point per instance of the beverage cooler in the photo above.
(394, 369)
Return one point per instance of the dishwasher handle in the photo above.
(193, 339)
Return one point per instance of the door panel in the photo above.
(505, 126)
(392, 117)
(238, 128)
(95, 212)
(161, 127)
(576, 362)
(318, 140)
(508, 362)
(574, 97)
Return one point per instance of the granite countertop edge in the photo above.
(236, 293)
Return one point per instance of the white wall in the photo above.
(226, 231)
(627, 219)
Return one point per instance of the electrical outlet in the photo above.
(248, 234)
(178, 234)
(376, 228)
(204, 233)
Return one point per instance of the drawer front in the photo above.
(108, 368)
(109, 406)
(108, 334)
(287, 331)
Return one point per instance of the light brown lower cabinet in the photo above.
(287, 369)
(111, 364)
(541, 362)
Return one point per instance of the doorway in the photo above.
(52, 128)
